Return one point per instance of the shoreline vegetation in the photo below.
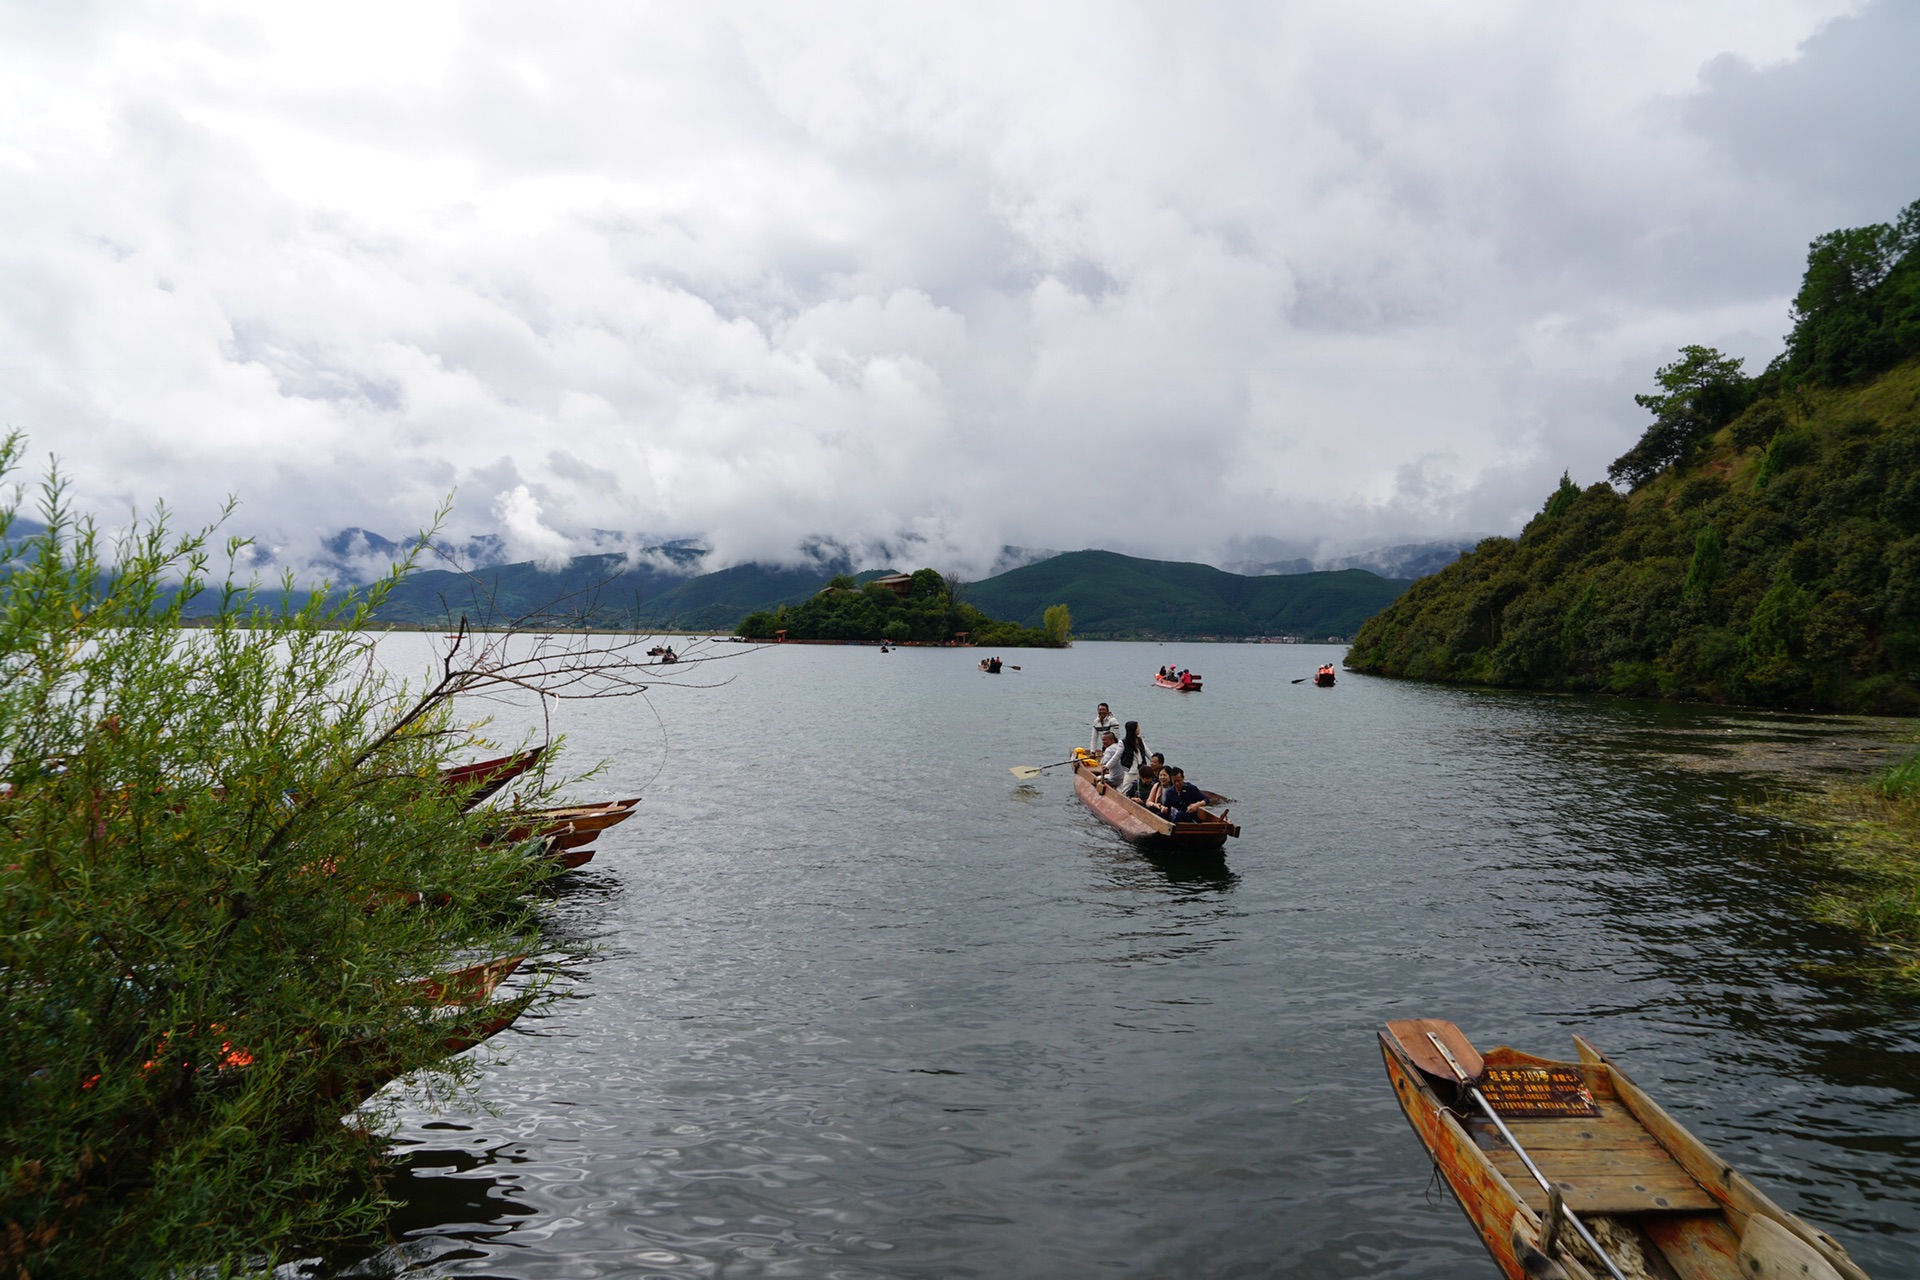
(1766, 551)
(244, 888)
(1870, 831)
(923, 608)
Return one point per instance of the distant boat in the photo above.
(1139, 825)
(1185, 681)
(1322, 678)
(1647, 1191)
(990, 665)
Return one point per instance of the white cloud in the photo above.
(925, 279)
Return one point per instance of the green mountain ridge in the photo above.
(1768, 549)
(1116, 597)
(1112, 596)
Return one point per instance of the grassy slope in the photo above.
(1114, 596)
(1818, 604)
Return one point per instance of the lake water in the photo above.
(863, 1005)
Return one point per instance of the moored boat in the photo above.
(487, 776)
(580, 819)
(1621, 1170)
(1139, 825)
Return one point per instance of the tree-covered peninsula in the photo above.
(925, 609)
(1766, 550)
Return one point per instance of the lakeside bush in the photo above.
(932, 612)
(227, 859)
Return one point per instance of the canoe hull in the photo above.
(1191, 685)
(1143, 828)
(1632, 1173)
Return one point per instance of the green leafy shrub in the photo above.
(227, 861)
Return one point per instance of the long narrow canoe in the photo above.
(1141, 826)
(584, 819)
(487, 776)
(1650, 1192)
(1189, 683)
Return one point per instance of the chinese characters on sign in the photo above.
(1538, 1091)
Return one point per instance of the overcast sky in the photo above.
(1166, 279)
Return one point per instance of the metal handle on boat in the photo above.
(1573, 1219)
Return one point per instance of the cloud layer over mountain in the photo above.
(933, 278)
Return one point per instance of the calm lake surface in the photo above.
(863, 1005)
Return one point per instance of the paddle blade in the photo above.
(1411, 1033)
(1024, 770)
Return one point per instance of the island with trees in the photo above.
(924, 607)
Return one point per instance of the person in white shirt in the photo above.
(1104, 723)
(1133, 758)
(1110, 767)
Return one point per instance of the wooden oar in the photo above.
(1301, 680)
(1035, 770)
(1468, 1082)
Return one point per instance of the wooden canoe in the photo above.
(579, 819)
(472, 985)
(1141, 826)
(485, 777)
(1190, 685)
(1648, 1190)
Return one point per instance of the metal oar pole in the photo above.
(1573, 1219)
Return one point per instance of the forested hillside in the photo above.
(1116, 597)
(1767, 550)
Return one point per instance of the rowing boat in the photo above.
(1141, 826)
(1185, 682)
(1649, 1193)
(587, 819)
(488, 776)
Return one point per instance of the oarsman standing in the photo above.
(1104, 723)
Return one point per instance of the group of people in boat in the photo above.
(1178, 674)
(1324, 675)
(1121, 759)
(990, 665)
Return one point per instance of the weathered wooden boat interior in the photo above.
(1654, 1199)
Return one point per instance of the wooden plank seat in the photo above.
(1607, 1163)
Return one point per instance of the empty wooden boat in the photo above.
(1141, 826)
(482, 778)
(1628, 1191)
(587, 819)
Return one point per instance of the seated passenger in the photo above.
(1179, 799)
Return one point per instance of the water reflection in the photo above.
(450, 1202)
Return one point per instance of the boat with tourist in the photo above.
(1139, 825)
(1569, 1171)
(1324, 676)
(1169, 678)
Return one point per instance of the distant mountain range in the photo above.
(1112, 596)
